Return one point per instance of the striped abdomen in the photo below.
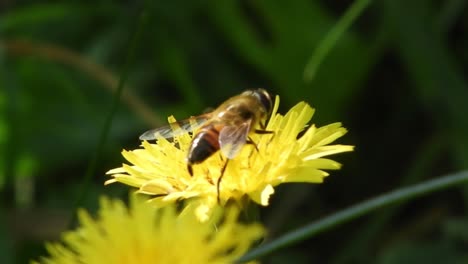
(204, 144)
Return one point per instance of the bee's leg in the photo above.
(218, 184)
(189, 168)
(251, 142)
(263, 132)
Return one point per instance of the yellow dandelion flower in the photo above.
(143, 234)
(293, 153)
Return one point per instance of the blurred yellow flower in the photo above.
(144, 234)
(294, 153)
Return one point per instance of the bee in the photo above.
(227, 128)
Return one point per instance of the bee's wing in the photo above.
(175, 129)
(232, 138)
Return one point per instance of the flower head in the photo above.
(294, 152)
(144, 234)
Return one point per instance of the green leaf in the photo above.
(346, 215)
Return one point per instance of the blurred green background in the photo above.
(396, 79)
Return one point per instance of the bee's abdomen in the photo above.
(204, 144)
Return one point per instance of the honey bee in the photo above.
(227, 128)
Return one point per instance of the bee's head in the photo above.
(265, 99)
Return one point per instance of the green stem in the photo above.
(329, 41)
(108, 121)
(353, 212)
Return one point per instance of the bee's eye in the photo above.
(265, 98)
